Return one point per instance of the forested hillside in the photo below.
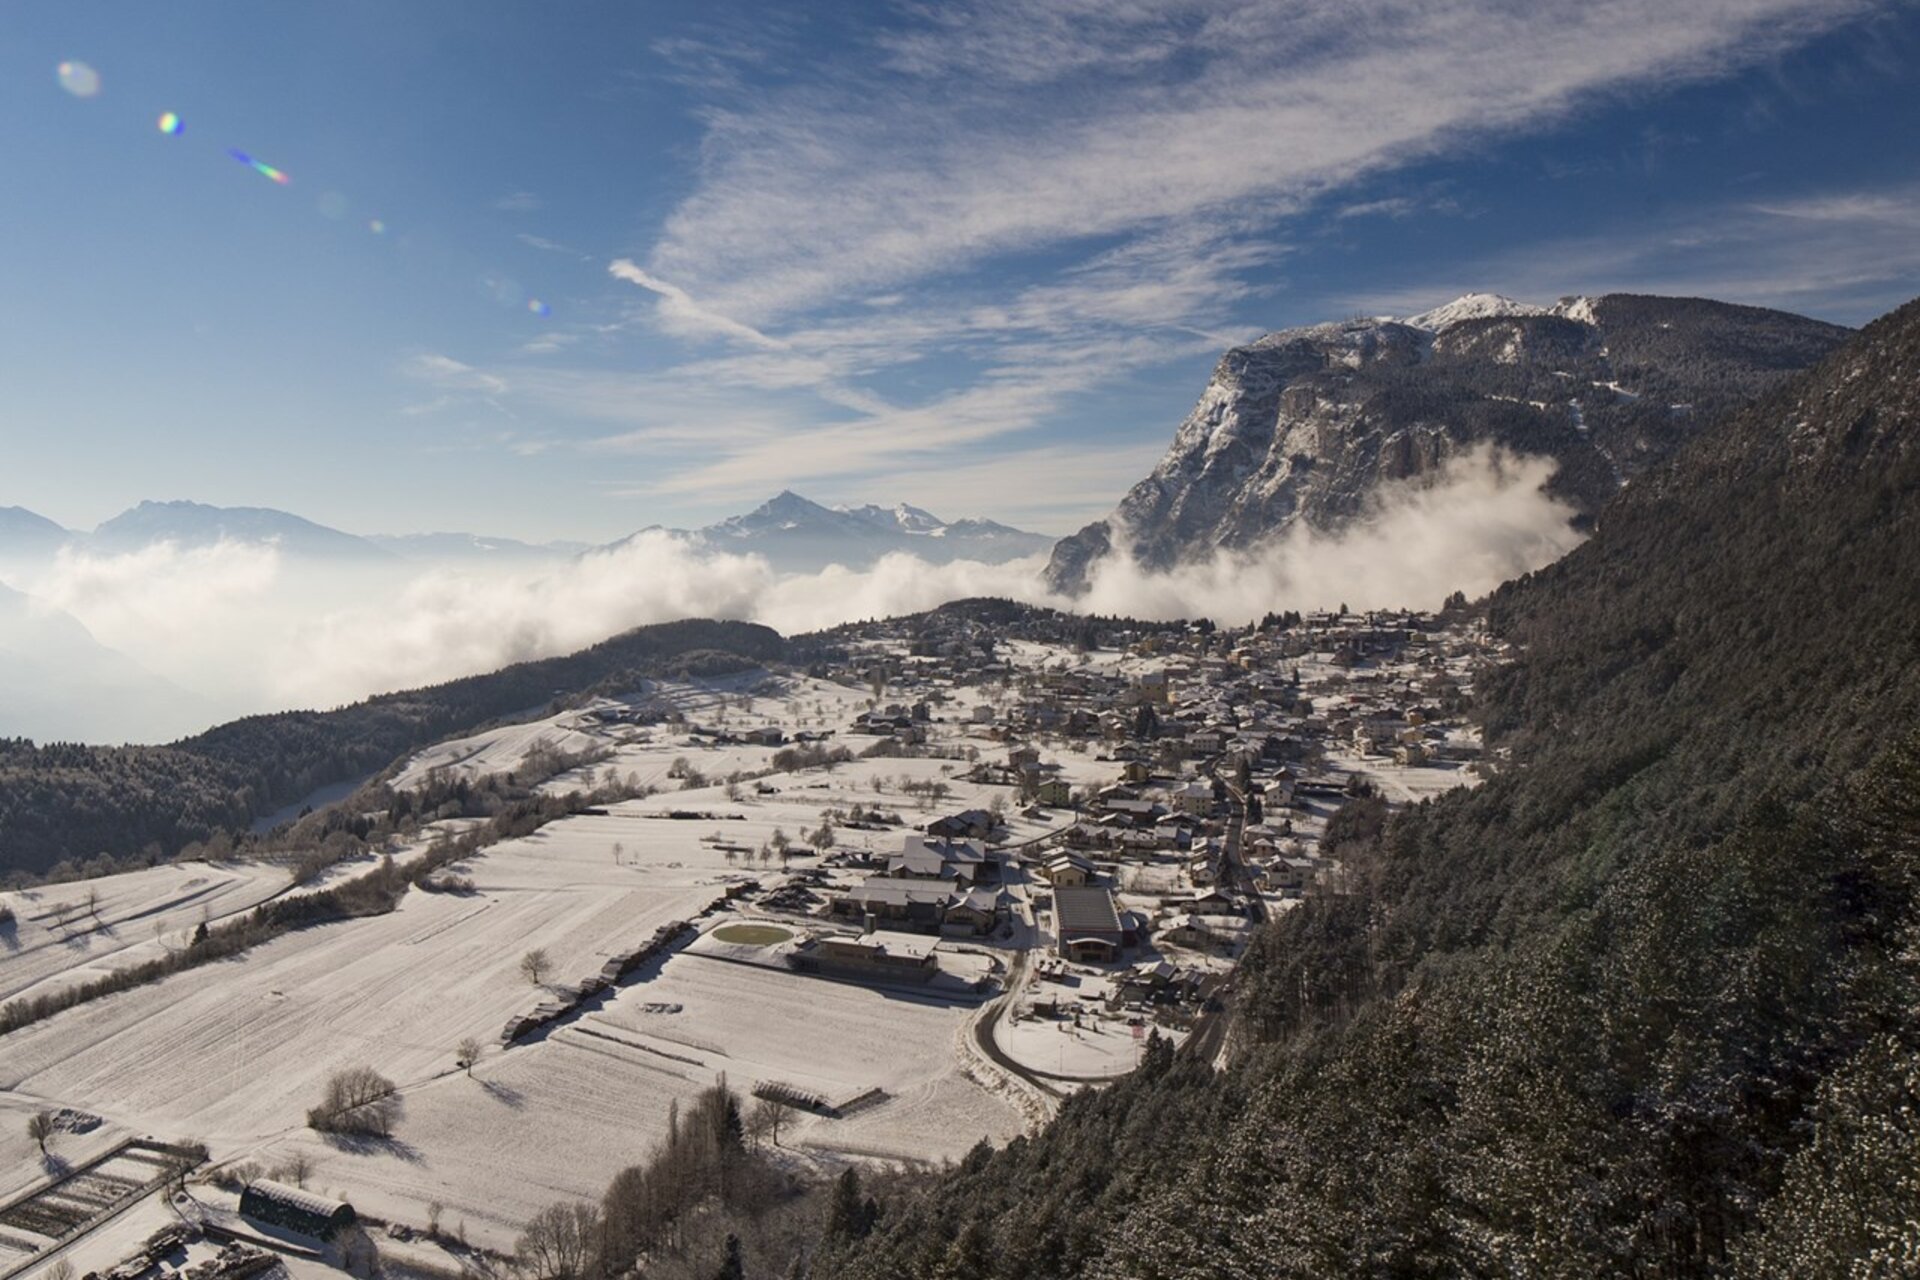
(68, 801)
(1646, 1004)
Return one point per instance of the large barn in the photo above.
(295, 1209)
(1087, 925)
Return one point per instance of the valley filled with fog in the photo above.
(160, 640)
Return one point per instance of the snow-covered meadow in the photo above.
(233, 1053)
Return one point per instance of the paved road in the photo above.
(983, 1030)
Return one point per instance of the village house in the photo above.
(1189, 930)
(1067, 870)
(1056, 792)
(896, 957)
(966, 861)
(919, 904)
(968, 824)
(1194, 797)
(978, 911)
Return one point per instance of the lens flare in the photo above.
(79, 79)
(169, 123)
(376, 226)
(538, 307)
(264, 170)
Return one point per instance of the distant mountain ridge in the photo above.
(195, 524)
(28, 530)
(57, 682)
(797, 535)
(1306, 424)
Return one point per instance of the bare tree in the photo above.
(466, 1053)
(41, 1129)
(558, 1242)
(358, 1100)
(765, 1117)
(534, 966)
(297, 1169)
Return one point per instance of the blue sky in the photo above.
(978, 255)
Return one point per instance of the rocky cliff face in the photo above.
(1307, 424)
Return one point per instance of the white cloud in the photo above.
(680, 314)
(181, 611)
(258, 633)
(453, 375)
(1483, 520)
(519, 202)
(545, 245)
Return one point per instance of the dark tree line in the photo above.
(95, 808)
(1645, 1004)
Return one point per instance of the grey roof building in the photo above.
(1087, 924)
(295, 1209)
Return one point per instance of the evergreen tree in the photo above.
(731, 1265)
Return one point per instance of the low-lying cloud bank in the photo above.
(253, 631)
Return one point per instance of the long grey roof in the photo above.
(1088, 910)
(295, 1197)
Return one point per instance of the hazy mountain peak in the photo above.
(795, 534)
(28, 533)
(903, 517)
(195, 524)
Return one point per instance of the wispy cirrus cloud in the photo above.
(519, 202)
(911, 255)
(1044, 198)
(679, 313)
(976, 134)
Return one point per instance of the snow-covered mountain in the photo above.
(1472, 306)
(1306, 424)
(798, 535)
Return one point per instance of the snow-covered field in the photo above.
(22, 1165)
(65, 933)
(235, 1052)
(558, 1118)
(1403, 783)
(1096, 1048)
(644, 753)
